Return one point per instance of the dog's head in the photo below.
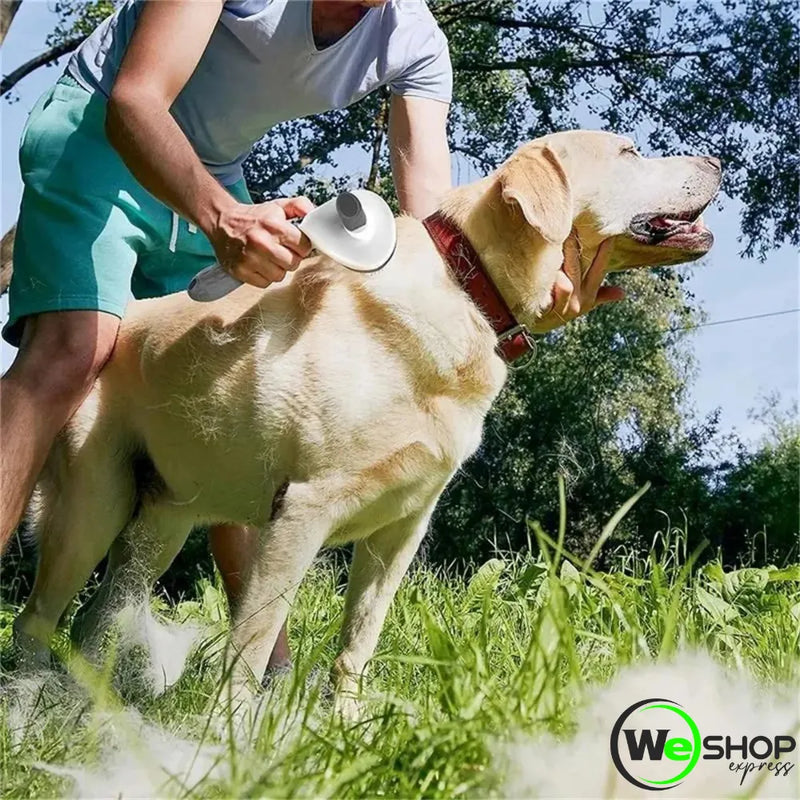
(592, 185)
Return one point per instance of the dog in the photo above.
(333, 407)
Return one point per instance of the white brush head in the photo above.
(356, 228)
(361, 239)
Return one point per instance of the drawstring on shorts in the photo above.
(173, 235)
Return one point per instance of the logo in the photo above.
(653, 752)
(655, 745)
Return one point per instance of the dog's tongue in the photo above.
(660, 223)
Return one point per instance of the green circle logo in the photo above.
(655, 744)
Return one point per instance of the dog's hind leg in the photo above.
(379, 564)
(138, 557)
(87, 496)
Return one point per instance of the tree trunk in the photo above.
(381, 122)
(8, 8)
(6, 250)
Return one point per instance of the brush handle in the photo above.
(212, 283)
(350, 211)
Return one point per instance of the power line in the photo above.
(666, 331)
(734, 319)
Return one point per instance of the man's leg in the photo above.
(59, 358)
(232, 547)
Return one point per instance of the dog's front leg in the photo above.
(283, 553)
(379, 564)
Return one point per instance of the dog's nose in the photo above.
(714, 163)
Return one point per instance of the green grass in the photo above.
(466, 662)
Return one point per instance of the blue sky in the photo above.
(738, 364)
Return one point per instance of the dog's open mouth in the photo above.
(683, 231)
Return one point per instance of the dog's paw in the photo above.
(28, 654)
(275, 674)
(348, 706)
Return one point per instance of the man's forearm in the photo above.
(420, 154)
(421, 196)
(161, 158)
(421, 177)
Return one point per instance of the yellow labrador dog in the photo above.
(336, 406)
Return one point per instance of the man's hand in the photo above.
(257, 244)
(573, 294)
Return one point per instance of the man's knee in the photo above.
(63, 352)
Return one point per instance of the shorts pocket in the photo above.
(29, 130)
(54, 118)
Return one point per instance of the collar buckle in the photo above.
(514, 343)
(518, 329)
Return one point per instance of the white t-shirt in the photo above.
(262, 67)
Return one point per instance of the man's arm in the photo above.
(420, 154)
(255, 243)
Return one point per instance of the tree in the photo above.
(757, 503)
(603, 403)
(694, 76)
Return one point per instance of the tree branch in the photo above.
(377, 140)
(589, 63)
(684, 129)
(270, 187)
(320, 149)
(573, 31)
(452, 12)
(13, 78)
(485, 163)
(510, 22)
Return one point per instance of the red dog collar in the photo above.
(513, 339)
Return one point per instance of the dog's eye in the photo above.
(629, 149)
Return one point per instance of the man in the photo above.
(132, 172)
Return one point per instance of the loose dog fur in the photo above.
(334, 407)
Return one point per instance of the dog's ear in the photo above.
(534, 180)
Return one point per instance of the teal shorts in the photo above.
(89, 235)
